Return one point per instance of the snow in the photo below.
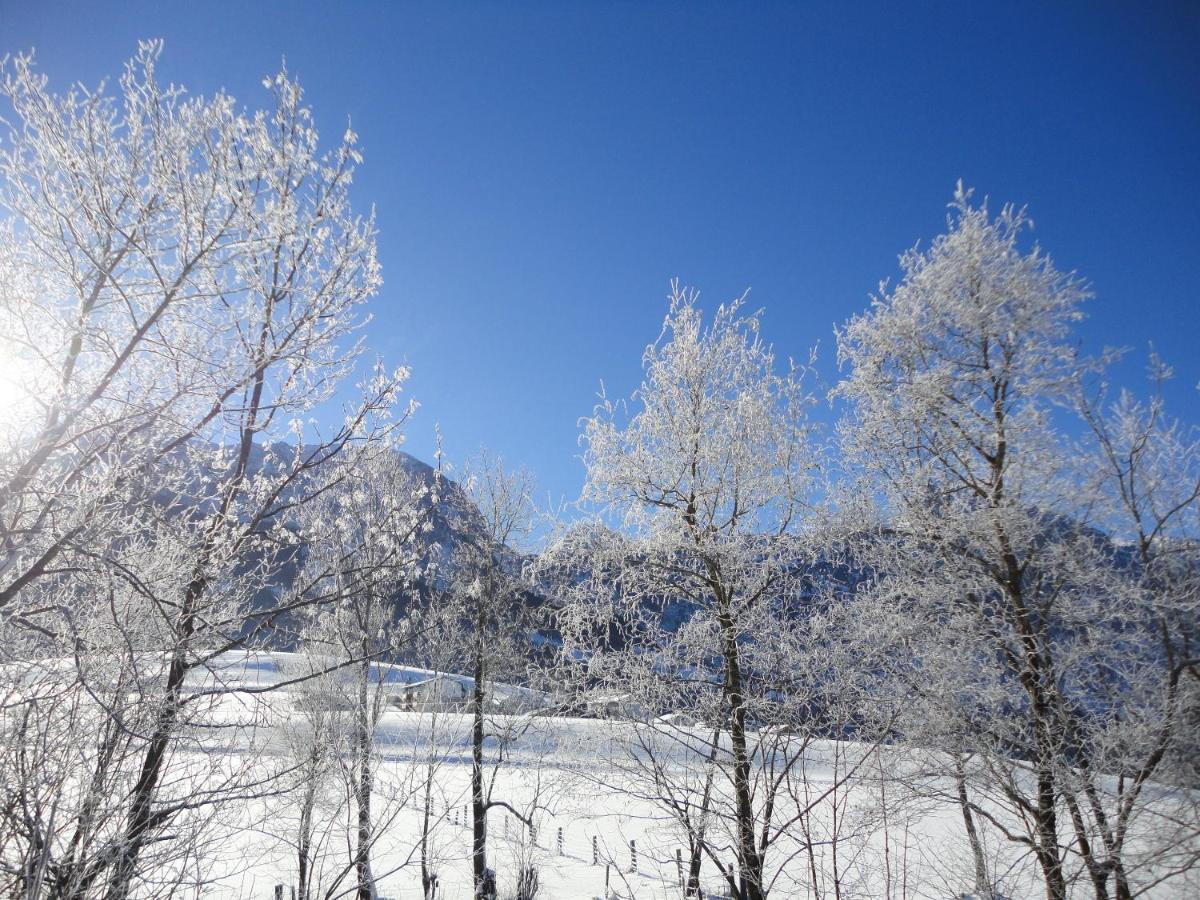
(579, 771)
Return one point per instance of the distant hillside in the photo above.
(453, 520)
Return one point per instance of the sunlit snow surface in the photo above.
(580, 772)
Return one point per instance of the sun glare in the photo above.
(18, 391)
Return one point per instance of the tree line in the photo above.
(980, 586)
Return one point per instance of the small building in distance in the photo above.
(615, 706)
(435, 692)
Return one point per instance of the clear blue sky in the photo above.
(541, 171)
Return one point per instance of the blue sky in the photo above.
(541, 171)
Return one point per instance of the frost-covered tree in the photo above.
(493, 592)
(363, 573)
(953, 375)
(173, 268)
(181, 284)
(310, 739)
(705, 475)
(1145, 467)
(995, 587)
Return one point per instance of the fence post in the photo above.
(560, 841)
(279, 892)
(679, 865)
(633, 856)
(595, 850)
(607, 868)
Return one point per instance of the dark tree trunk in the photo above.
(141, 821)
(363, 787)
(427, 875)
(696, 848)
(304, 842)
(983, 886)
(478, 805)
(750, 865)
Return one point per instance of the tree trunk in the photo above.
(1036, 674)
(478, 806)
(750, 866)
(140, 821)
(1095, 869)
(363, 787)
(983, 885)
(304, 844)
(427, 885)
(1047, 829)
(696, 848)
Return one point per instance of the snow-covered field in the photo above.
(598, 826)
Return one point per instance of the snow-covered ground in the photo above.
(593, 814)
